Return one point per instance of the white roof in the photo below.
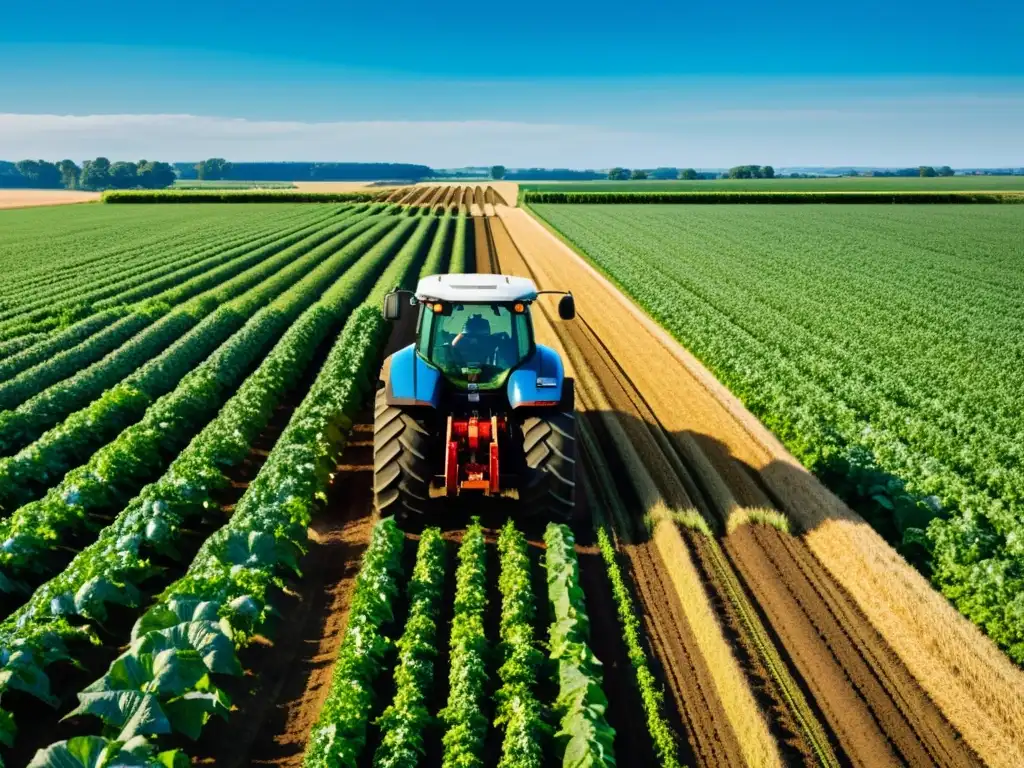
(476, 288)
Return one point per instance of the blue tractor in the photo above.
(474, 405)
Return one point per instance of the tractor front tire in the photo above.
(549, 452)
(401, 464)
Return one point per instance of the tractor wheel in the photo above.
(549, 447)
(401, 466)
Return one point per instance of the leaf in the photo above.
(92, 597)
(133, 712)
(175, 611)
(204, 637)
(8, 729)
(22, 672)
(79, 752)
(97, 752)
(189, 713)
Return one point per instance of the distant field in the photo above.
(29, 198)
(859, 184)
(196, 184)
(875, 341)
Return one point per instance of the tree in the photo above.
(767, 172)
(214, 169)
(39, 174)
(689, 174)
(156, 175)
(664, 173)
(96, 173)
(69, 173)
(638, 175)
(497, 171)
(945, 171)
(618, 174)
(926, 170)
(124, 175)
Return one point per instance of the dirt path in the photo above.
(875, 711)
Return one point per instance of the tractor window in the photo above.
(476, 342)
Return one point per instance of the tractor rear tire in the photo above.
(401, 461)
(549, 449)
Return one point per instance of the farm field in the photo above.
(839, 184)
(190, 554)
(874, 343)
(29, 198)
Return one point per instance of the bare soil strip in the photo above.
(873, 720)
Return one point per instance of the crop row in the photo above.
(463, 717)
(78, 344)
(93, 250)
(825, 323)
(223, 598)
(77, 301)
(583, 731)
(714, 197)
(151, 363)
(137, 280)
(140, 453)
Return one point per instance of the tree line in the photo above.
(219, 169)
(96, 174)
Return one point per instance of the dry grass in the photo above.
(760, 515)
(30, 198)
(977, 688)
(335, 186)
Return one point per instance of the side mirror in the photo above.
(567, 307)
(393, 306)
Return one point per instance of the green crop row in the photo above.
(151, 363)
(81, 348)
(463, 716)
(875, 342)
(772, 198)
(404, 721)
(141, 452)
(226, 589)
(65, 304)
(584, 736)
(462, 246)
(518, 709)
(119, 564)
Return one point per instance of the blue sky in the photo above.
(569, 84)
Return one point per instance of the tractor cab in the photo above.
(474, 404)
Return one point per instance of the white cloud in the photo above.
(857, 135)
(183, 137)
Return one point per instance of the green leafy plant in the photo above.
(463, 717)
(584, 736)
(518, 709)
(404, 721)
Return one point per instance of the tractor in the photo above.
(474, 406)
